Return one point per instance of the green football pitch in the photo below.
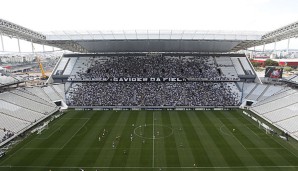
(152, 140)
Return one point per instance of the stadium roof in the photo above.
(13, 30)
(154, 40)
(286, 32)
(149, 40)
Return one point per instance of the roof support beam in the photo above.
(19, 46)
(14, 30)
(288, 46)
(2, 42)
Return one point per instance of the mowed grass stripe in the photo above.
(119, 159)
(199, 152)
(260, 133)
(88, 141)
(282, 155)
(72, 123)
(240, 136)
(134, 155)
(183, 148)
(47, 146)
(113, 126)
(63, 154)
(228, 135)
(170, 146)
(83, 149)
(42, 154)
(257, 142)
(21, 149)
(213, 140)
(159, 146)
(53, 132)
(146, 151)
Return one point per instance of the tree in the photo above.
(255, 64)
(270, 62)
(288, 69)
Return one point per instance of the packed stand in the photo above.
(153, 94)
(143, 66)
(100, 93)
(6, 135)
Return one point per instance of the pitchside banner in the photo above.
(146, 79)
(158, 79)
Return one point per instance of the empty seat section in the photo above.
(70, 66)
(270, 91)
(81, 65)
(246, 65)
(12, 124)
(223, 61)
(26, 103)
(279, 95)
(51, 93)
(29, 95)
(237, 66)
(256, 92)
(60, 89)
(247, 88)
(229, 72)
(282, 114)
(277, 104)
(290, 124)
(61, 66)
(38, 91)
(19, 112)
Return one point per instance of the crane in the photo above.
(43, 75)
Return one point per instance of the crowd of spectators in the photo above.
(144, 66)
(7, 135)
(153, 94)
(101, 93)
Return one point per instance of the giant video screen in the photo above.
(273, 72)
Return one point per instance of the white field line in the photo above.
(50, 134)
(231, 136)
(191, 167)
(279, 143)
(24, 146)
(74, 134)
(252, 131)
(17, 151)
(153, 137)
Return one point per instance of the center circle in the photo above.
(148, 132)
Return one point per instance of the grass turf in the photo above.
(161, 140)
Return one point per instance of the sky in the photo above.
(232, 15)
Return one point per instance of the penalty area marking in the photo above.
(224, 131)
(74, 134)
(17, 151)
(59, 128)
(231, 136)
(261, 148)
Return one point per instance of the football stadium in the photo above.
(149, 100)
